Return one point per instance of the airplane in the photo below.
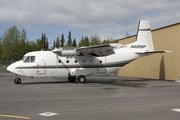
(85, 61)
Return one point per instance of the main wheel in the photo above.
(82, 79)
(72, 78)
(17, 80)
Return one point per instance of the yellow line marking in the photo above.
(15, 116)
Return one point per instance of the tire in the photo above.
(17, 81)
(82, 79)
(72, 78)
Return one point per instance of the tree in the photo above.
(69, 42)
(82, 42)
(86, 40)
(62, 40)
(38, 44)
(74, 43)
(54, 44)
(46, 43)
(22, 44)
(106, 41)
(10, 43)
(57, 41)
(95, 39)
(44, 39)
(127, 34)
(0, 48)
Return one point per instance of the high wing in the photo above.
(98, 50)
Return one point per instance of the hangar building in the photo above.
(164, 66)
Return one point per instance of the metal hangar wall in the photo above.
(164, 66)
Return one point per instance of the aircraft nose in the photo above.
(11, 68)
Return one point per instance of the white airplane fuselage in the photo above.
(49, 64)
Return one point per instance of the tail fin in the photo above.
(144, 42)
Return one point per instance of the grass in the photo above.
(3, 68)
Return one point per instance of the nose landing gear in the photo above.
(17, 80)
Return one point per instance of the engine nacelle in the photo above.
(65, 53)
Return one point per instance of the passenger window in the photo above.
(76, 61)
(60, 61)
(100, 61)
(91, 61)
(83, 61)
(67, 61)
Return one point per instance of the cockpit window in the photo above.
(27, 59)
(23, 58)
(30, 59)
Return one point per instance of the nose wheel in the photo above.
(17, 80)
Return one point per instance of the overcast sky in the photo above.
(108, 18)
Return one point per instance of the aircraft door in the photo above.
(41, 67)
(101, 61)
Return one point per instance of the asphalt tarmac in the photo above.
(113, 98)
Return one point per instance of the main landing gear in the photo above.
(17, 80)
(72, 78)
(80, 78)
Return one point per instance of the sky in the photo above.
(108, 18)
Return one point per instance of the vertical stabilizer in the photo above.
(144, 40)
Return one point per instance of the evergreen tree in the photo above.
(44, 39)
(74, 43)
(54, 44)
(106, 41)
(82, 42)
(38, 44)
(62, 40)
(69, 42)
(0, 48)
(46, 43)
(114, 41)
(57, 41)
(86, 40)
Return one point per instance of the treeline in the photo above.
(94, 40)
(14, 43)
(60, 42)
